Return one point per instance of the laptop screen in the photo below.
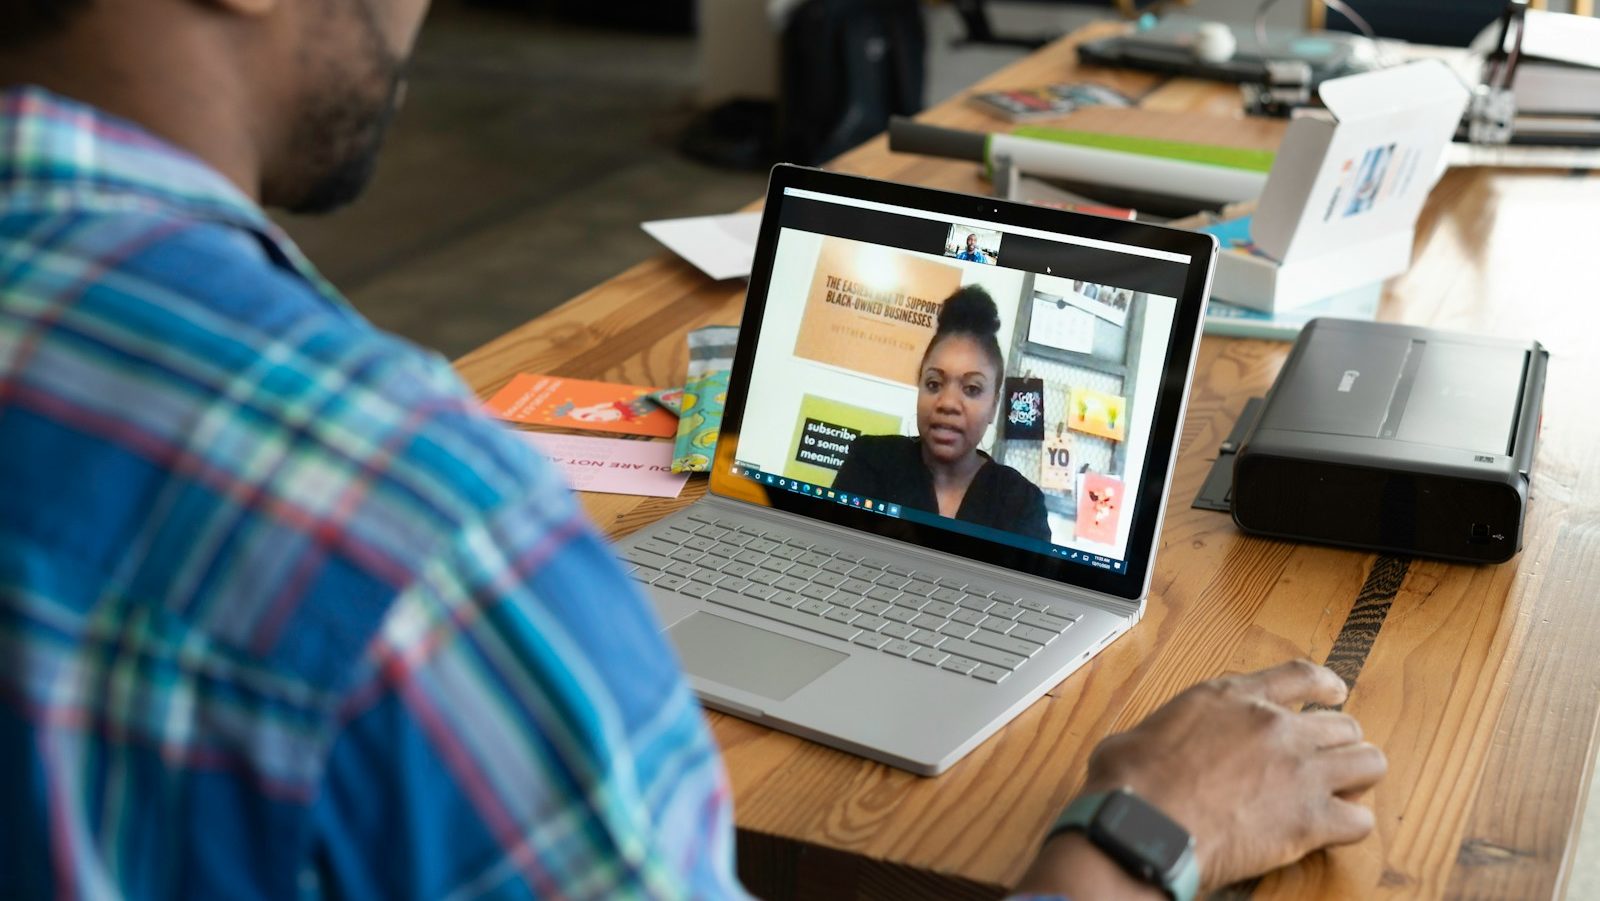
(970, 376)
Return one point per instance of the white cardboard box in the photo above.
(1340, 206)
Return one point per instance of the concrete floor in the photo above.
(530, 150)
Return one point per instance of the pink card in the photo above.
(611, 465)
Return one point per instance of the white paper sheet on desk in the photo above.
(720, 246)
(611, 465)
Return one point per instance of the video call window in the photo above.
(973, 245)
(888, 374)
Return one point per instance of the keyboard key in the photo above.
(1044, 621)
(900, 614)
(873, 563)
(970, 617)
(1003, 597)
(851, 556)
(996, 624)
(740, 538)
(682, 569)
(872, 640)
(926, 639)
(1035, 635)
(707, 575)
(782, 615)
(785, 552)
(872, 606)
(765, 577)
(812, 558)
(855, 587)
(840, 599)
(738, 569)
(951, 582)
(790, 583)
(897, 570)
(802, 571)
(989, 673)
(750, 528)
(715, 533)
(929, 656)
(921, 589)
(734, 583)
(699, 543)
(763, 546)
(900, 648)
(675, 535)
(910, 602)
(890, 580)
(817, 592)
(1006, 643)
(702, 516)
(814, 607)
(1035, 606)
(1004, 611)
(957, 630)
(787, 599)
(724, 549)
(924, 621)
(948, 595)
(983, 654)
(687, 555)
(643, 575)
(957, 664)
(974, 602)
(645, 558)
(758, 591)
(801, 543)
(696, 589)
(886, 595)
(832, 580)
(940, 609)
(842, 567)
(669, 581)
(840, 614)
(898, 630)
(869, 622)
(750, 557)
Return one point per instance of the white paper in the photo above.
(720, 246)
(1066, 328)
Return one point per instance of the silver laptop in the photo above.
(947, 445)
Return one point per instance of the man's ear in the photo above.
(251, 8)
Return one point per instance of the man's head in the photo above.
(972, 243)
(291, 98)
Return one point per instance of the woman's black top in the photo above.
(890, 468)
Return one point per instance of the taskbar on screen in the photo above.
(911, 514)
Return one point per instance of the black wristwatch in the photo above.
(1141, 839)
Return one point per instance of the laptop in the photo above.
(818, 588)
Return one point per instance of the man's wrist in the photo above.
(1069, 864)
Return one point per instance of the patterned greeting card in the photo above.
(1024, 409)
(577, 404)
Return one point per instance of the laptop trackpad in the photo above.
(747, 658)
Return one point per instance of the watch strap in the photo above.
(1185, 883)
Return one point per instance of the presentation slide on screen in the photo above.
(845, 350)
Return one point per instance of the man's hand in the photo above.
(1258, 784)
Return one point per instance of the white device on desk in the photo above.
(862, 621)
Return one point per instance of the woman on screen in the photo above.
(941, 470)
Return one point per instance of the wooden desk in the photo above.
(1479, 682)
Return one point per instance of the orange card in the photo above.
(578, 404)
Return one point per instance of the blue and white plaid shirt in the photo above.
(281, 613)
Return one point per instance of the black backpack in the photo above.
(848, 65)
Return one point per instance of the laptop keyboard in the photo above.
(937, 621)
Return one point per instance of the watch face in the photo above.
(1153, 842)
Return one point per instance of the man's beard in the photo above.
(335, 141)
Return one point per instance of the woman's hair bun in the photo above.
(969, 311)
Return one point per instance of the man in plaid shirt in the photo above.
(283, 615)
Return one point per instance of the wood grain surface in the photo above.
(1479, 682)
